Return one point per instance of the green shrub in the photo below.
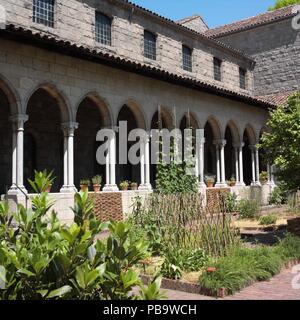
(248, 209)
(278, 196)
(241, 267)
(231, 202)
(268, 220)
(172, 267)
(44, 260)
(194, 260)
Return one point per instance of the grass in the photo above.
(242, 266)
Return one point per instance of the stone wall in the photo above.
(75, 22)
(276, 50)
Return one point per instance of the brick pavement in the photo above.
(278, 288)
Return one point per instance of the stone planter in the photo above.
(97, 188)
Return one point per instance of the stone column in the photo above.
(111, 185)
(69, 130)
(271, 181)
(145, 164)
(220, 155)
(200, 159)
(239, 164)
(18, 154)
(255, 166)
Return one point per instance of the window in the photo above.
(103, 29)
(217, 69)
(243, 78)
(149, 45)
(43, 12)
(187, 59)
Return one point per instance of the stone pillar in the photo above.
(145, 164)
(200, 159)
(111, 185)
(271, 181)
(220, 156)
(239, 164)
(69, 130)
(18, 154)
(255, 166)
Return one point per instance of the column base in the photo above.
(271, 184)
(110, 188)
(201, 186)
(221, 185)
(14, 191)
(256, 184)
(145, 187)
(68, 189)
(240, 184)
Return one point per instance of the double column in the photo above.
(110, 184)
(18, 122)
(69, 130)
(200, 162)
(239, 166)
(145, 163)
(255, 166)
(220, 162)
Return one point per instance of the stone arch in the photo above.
(167, 119)
(235, 131)
(250, 132)
(137, 111)
(102, 105)
(215, 126)
(11, 95)
(66, 113)
(47, 110)
(92, 114)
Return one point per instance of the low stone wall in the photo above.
(108, 206)
(213, 196)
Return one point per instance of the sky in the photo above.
(214, 12)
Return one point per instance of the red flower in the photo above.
(211, 269)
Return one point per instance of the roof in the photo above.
(279, 98)
(177, 25)
(253, 22)
(52, 43)
(191, 18)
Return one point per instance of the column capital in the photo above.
(220, 142)
(253, 147)
(69, 127)
(239, 145)
(19, 120)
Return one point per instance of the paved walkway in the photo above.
(278, 288)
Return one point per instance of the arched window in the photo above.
(187, 58)
(149, 45)
(103, 29)
(43, 12)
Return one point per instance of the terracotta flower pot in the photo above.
(134, 187)
(210, 184)
(232, 184)
(97, 187)
(84, 187)
(48, 190)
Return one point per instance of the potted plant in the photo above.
(124, 185)
(263, 177)
(210, 181)
(232, 182)
(84, 185)
(133, 186)
(97, 180)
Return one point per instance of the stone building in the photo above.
(70, 68)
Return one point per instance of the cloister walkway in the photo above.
(278, 288)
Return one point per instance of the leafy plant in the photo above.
(278, 196)
(248, 209)
(124, 185)
(172, 267)
(268, 220)
(231, 202)
(45, 260)
(97, 180)
(263, 177)
(42, 181)
(283, 3)
(85, 182)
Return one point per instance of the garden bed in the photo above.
(195, 288)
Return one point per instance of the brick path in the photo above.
(278, 288)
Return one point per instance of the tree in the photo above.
(283, 3)
(282, 143)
